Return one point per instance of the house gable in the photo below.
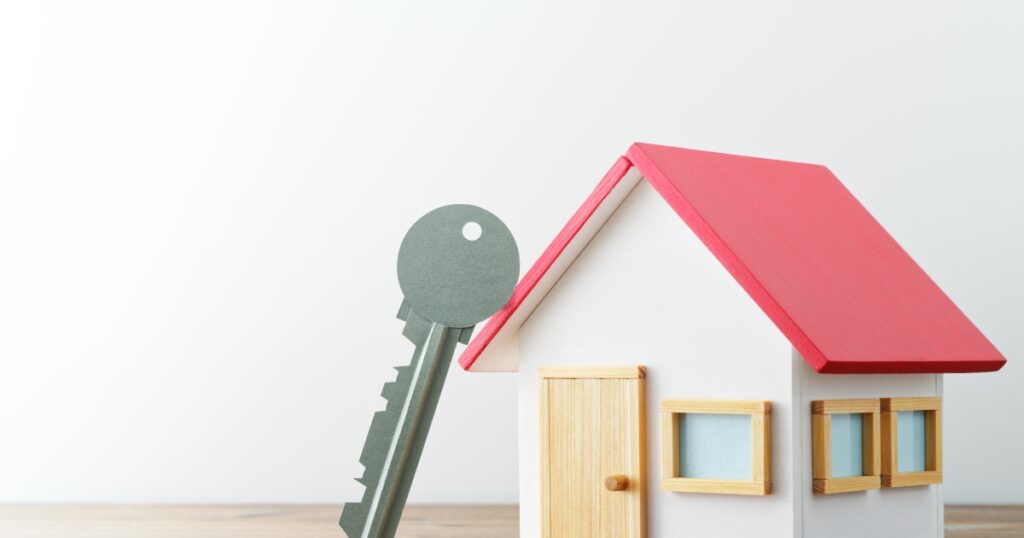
(646, 292)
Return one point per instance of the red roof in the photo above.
(847, 296)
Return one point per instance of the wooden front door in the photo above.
(592, 453)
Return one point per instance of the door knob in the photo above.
(616, 482)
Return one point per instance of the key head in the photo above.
(457, 265)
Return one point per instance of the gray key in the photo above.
(450, 283)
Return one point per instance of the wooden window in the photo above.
(712, 446)
(911, 441)
(846, 445)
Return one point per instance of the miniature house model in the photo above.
(718, 345)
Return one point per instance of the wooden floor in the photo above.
(281, 521)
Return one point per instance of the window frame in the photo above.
(891, 476)
(821, 445)
(760, 438)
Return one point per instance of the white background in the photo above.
(201, 204)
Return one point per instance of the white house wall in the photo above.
(647, 292)
(889, 512)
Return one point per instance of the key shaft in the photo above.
(391, 466)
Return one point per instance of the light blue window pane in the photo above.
(847, 448)
(910, 444)
(715, 446)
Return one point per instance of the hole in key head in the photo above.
(471, 231)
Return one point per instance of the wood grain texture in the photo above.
(889, 450)
(838, 407)
(846, 485)
(891, 476)
(760, 450)
(933, 440)
(871, 443)
(903, 480)
(320, 521)
(761, 436)
(591, 372)
(250, 521)
(709, 485)
(730, 407)
(616, 482)
(821, 446)
(669, 444)
(592, 428)
(638, 439)
(558, 452)
(984, 521)
(613, 507)
(924, 403)
(544, 422)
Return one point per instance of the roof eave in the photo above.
(911, 367)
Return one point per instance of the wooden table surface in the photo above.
(257, 521)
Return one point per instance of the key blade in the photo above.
(397, 434)
(385, 423)
(375, 448)
(353, 518)
(356, 518)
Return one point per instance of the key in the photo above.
(451, 280)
